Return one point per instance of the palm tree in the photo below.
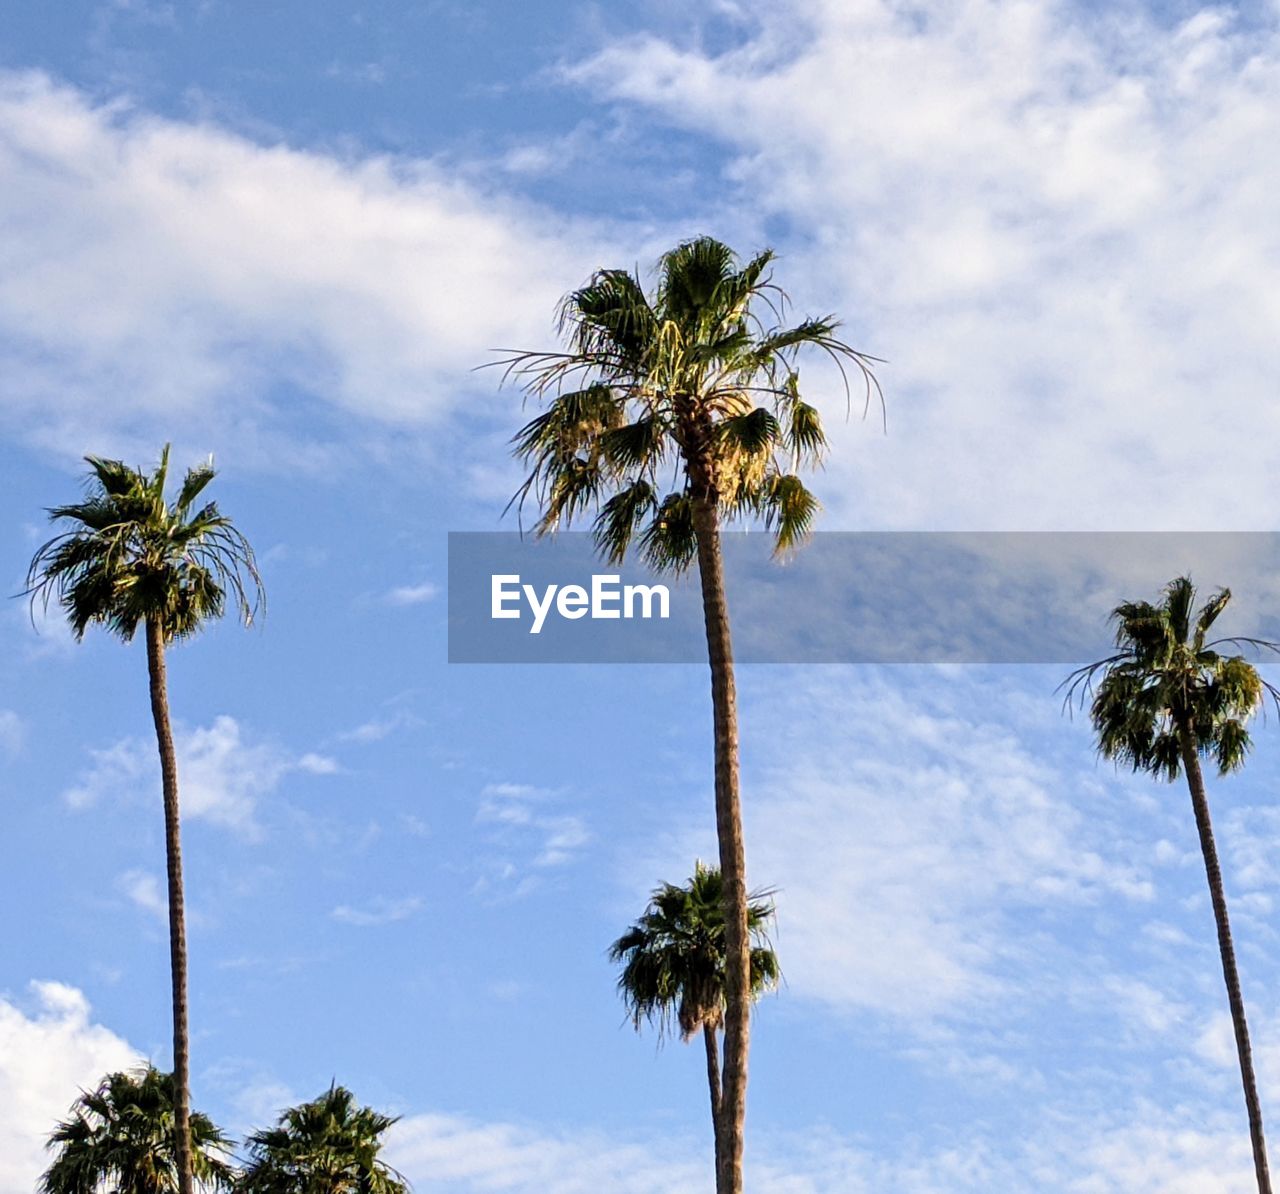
(1165, 698)
(674, 964)
(133, 559)
(120, 1138)
(327, 1146)
(690, 391)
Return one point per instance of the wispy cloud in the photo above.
(363, 326)
(1184, 1152)
(224, 773)
(142, 888)
(12, 732)
(381, 910)
(412, 594)
(907, 826)
(378, 728)
(529, 834)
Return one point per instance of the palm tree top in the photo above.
(1167, 675)
(690, 391)
(119, 1137)
(132, 556)
(674, 955)
(327, 1145)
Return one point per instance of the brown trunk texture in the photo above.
(713, 1081)
(1200, 803)
(177, 919)
(737, 1024)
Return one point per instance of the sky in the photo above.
(288, 235)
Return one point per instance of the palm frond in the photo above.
(671, 379)
(130, 557)
(673, 957)
(668, 543)
(1165, 686)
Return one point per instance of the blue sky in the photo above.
(287, 234)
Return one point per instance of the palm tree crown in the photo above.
(327, 1146)
(1164, 678)
(131, 556)
(120, 1138)
(674, 955)
(661, 392)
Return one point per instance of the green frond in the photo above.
(754, 434)
(673, 957)
(193, 485)
(1209, 614)
(789, 510)
(329, 1145)
(120, 1137)
(621, 516)
(1165, 688)
(1179, 595)
(805, 437)
(692, 278)
(574, 487)
(697, 375)
(668, 542)
(636, 447)
(130, 557)
(609, 317)
(809, 332)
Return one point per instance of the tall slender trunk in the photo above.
(724, 702)
(1200, 803)
(713, 1081)
(177, 918)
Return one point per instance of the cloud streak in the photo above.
(381, 910)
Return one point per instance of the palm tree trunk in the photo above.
(713, 1081)
(177, 918)
(724, 702)
(1200, 803)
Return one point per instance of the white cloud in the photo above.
(521, 819)
(158, 271)
(317, 764)
(143, 889)
(412, 594)
(906, 825)
(49, 1052)
(222, 774)
(12, 732)
(446, 1152)
(1179, 1152)
(1144, 1006)
(378, 728)
(1055, 223)
(379, 911)
(1167, 1154)
(255, 1095)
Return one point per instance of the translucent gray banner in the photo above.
(865, 597)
